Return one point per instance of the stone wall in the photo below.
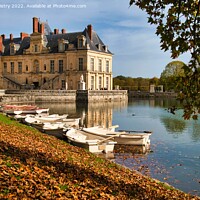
(64, 96)
(101, 95)
(136, 94)
(16, 98)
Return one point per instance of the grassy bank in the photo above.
(37, 166)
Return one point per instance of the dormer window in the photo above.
(12, 49)
(98, 46)
(61, 45)
(81, 41)
(105, 48)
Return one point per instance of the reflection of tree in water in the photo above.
(174, 125)
(195, 130)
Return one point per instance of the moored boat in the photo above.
(54, 129)
(71, 121)
(138, 138)
(95, 144)
(56, 118)
(50, 118)
(23, 109)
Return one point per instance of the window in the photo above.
(52, 66)
(107, 65)
(71, 85)
(26, 67)
(80, 43)
(61, 47)
(60, 64)
(100, 65)
(62, 44)
(107, 83)
(12, 67)
(92, 64)
(45, 67)
(19, 67)
(36, 66)
(100, 82)
(36, 48)
(12, 49)
(80, 64)
(63, 84)
(92, 82)
(5, 67)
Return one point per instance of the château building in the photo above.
(55, 60)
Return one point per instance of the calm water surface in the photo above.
(175, 143)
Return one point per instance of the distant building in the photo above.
(158, 88)
(55, 60)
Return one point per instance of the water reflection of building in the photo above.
(91, 114)
(100, 113)
(59, 108)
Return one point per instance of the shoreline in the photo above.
(40, 164)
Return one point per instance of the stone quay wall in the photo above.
(141, 94)
(16, 96)
(101, 95)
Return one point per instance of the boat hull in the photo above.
(93, 148)
(58, 133)
(94, 144)
(120, 137)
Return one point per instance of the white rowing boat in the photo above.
(95, 144)
(136, 138)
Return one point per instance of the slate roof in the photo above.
(52, 42)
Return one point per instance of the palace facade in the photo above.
(55, 60)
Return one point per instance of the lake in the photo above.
(175, 143)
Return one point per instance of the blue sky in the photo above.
(124, 29)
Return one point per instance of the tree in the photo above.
(171, 75)
(154, 81)
(178, 25)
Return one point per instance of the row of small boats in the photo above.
(22, 109)
(51, 124)
(96, 139)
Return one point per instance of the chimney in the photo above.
(35, 25)
(42, 28)
(64, 31)
(11, 37)
(56, 31)
(23, 35)
(3, 37)
(1, 44)
(89, 29)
